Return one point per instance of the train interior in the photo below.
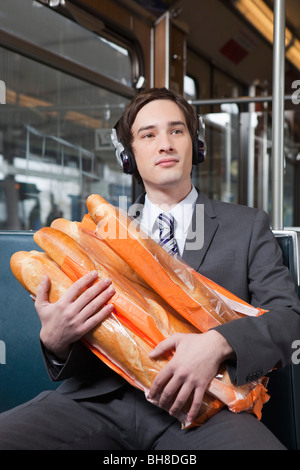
(69, 68)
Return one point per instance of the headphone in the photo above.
(126, 158)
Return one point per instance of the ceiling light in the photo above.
(261, 17)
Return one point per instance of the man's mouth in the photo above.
(167, 162)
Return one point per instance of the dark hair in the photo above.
(139, 101)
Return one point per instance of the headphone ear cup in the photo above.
(124, 157)
(198, 151)
(199, 144)
(128, 162)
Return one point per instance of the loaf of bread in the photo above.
(167, 275)
(59, 245)
(142, 317)
(140, 305)
(83, 233)
(113, 342)
(30, 268)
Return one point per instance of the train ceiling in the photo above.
(220, 34)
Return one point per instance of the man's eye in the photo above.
(177, 131)
(147, 136)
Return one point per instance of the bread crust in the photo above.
(30, 268)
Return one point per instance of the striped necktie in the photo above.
(166, 233)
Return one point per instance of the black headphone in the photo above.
(126, 158)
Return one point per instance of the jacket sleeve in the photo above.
(80, 362)
(264, 342)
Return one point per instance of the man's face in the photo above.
(162, 146)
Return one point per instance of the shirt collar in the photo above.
(182, 212)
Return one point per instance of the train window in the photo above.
(57, 34)
(218, 174)
(55, 128)
(54, 144)
(238, 166)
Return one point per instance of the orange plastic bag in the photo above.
(196, 298)
(236, 398)
(116, 341)
(142, 318)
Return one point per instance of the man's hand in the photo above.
(80, 309)
(196, 360)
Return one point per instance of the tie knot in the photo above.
(166, 232)
(166, 221)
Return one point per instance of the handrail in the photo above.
(239, 100)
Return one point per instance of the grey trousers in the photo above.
(123, 421)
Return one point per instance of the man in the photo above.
(96, 409)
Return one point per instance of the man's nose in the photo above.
(165, 144)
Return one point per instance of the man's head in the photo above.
(139, 101)
(134, 109)
(159, 132)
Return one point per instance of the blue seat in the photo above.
(282, 413)
(22, 371)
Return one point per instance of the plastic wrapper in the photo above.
(143, 314)
(119, 343)
(129, 357)
(199, 300)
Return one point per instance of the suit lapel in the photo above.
(194, 258)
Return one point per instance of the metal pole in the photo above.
(239, 100)
(251, 151)
(278, 114)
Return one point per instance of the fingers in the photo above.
(91, 293)
(196, 404)
(179, 387)
(94, 304)
(79, 286)
(164, 347)
(42, 291)
(177, 397)
(88, 300)
(157, 393)
(189, 400)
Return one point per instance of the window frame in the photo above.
(96, 25)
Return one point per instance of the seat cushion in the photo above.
(22, 371)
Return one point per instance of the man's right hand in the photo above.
(82, 307)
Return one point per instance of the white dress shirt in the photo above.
(182, 214)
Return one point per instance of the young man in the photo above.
(94, 408)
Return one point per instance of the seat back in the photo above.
(282, 413)
(22, 371)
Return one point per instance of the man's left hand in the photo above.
(195, 362)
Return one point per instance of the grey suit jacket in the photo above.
(239, 253)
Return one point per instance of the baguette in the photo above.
(133, 359)
(126, 347)
(175, 282)
(166, 318)
(151, 318)
(83, 233)
(130, 306)
(29, 269)
(59, 245)
(119, 347)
